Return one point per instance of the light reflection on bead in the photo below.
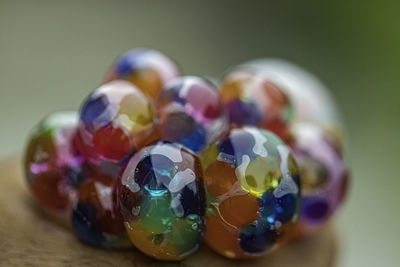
(161, 197)
(253, 191)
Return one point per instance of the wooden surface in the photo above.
(28, 238)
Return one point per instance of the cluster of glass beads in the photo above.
(165, 162)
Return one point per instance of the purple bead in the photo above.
(323, 172)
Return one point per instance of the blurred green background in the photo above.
(52, 54)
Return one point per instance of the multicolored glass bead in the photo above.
(161, 197)
(252, 99)
(311, 99)
(115, 120)
(324, 176)
(95, 217)
(53, 166)
(252, 185)
(191, 112)
(148, 69)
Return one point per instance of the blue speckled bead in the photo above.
(190, 112)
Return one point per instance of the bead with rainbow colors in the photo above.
(190, 112)
(53, 166)
(253, 193)
(115, 120)
(312, 100)
(162, 199)
(95, 217)
(252, 99)
(148, 69)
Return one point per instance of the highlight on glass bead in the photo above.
(191, 112)
(115, 120)
(53, 166)
(324, 175)
(252, 99)
(148, 69)
(311, 99)
(253, 193)
(162, 199)
(95, 217)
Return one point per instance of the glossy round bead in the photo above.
(53, 166)
(114, 121)
(147, 69)
(252, 185)
(323, 172)
(95, 218)
(311, 99)
(191, 112)
(251, 99)
(161, 197)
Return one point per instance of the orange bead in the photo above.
(240, 210)
(226, 178)
(222, 237)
